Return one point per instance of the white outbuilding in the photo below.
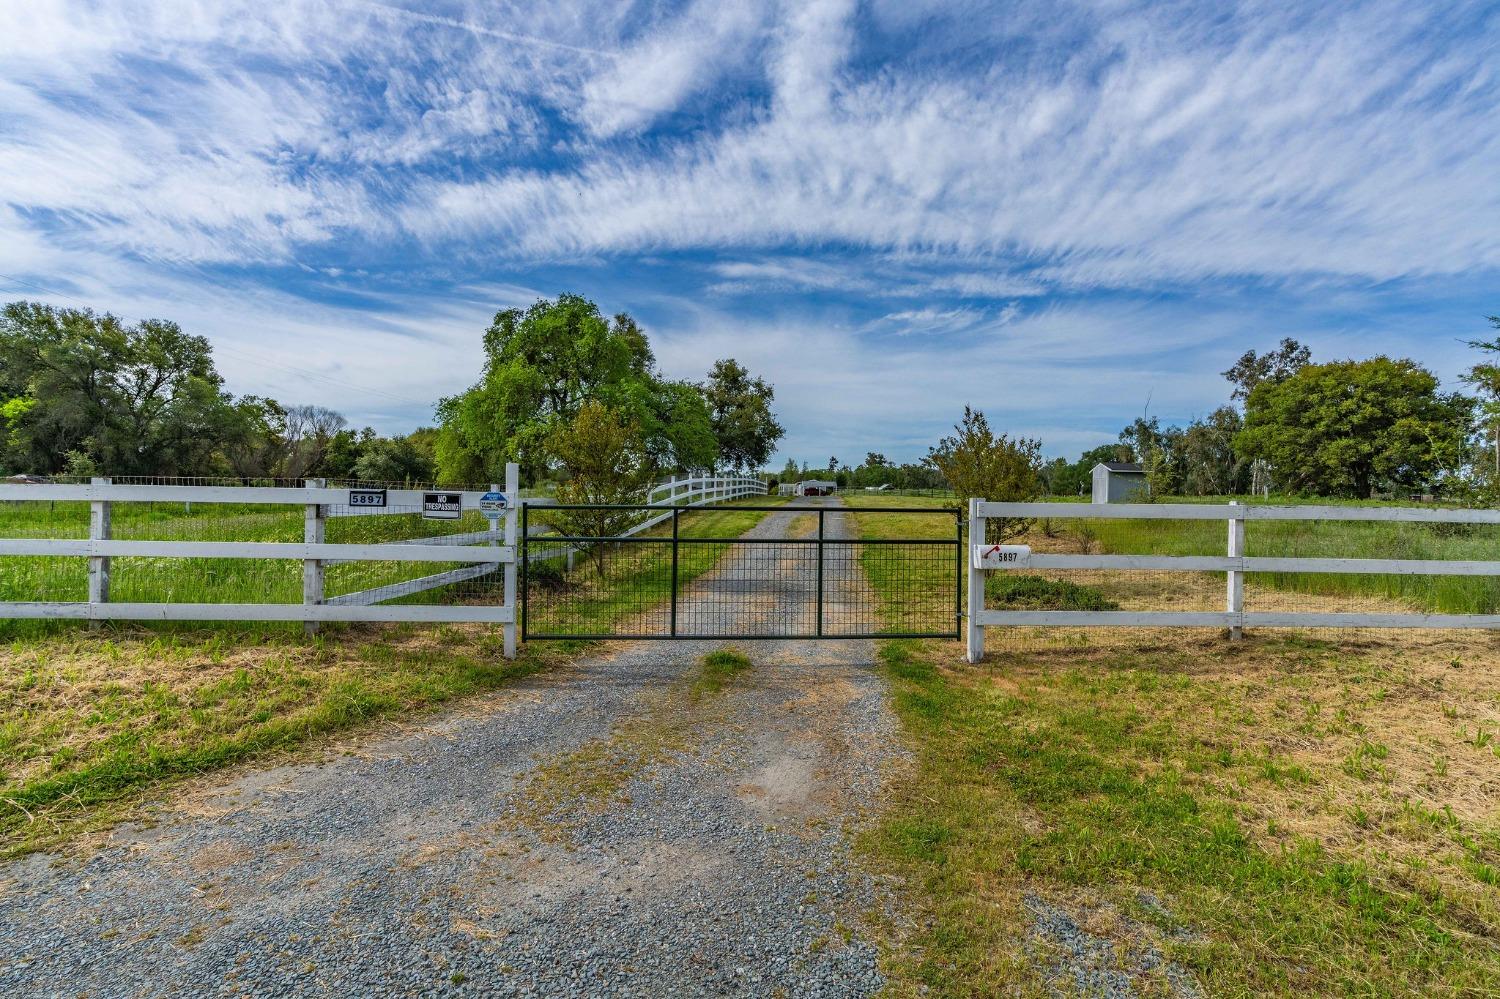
(1120, 482)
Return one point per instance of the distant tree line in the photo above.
(876, 470)
(88, 394)
(1340, 428)
(565, 392)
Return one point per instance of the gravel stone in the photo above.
(424, 864)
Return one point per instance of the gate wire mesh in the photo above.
(783, 578)
(1152, 590)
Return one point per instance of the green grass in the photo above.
(1008, 591)
(1086, 783)
(1332, 539)
(90, 720)
(719, 668)
(159, 580)
(916, 583)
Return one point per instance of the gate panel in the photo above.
(799, 574)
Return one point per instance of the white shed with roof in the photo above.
(1120, 482)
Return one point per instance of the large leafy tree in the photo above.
(1209, 465)
(740, 411)
(541, 364)
(604, 455)
(1351, 427)
(132, 400)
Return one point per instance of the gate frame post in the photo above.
(101, 528)
(819, 631)
(676, 514)
(1234, 598)
(976, 585)
(513, 493)
(314, 531)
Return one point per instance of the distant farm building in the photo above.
(1120, 482)
(816, 487)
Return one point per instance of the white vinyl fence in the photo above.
(478, 554)
(1234, 563)
(485, 553)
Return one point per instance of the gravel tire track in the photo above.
(446, 862)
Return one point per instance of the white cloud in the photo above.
(969, 170)
(664, 67)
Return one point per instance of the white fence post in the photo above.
(313, 532)
(100, 529)
(1235, 595)
(976, 584)
(512, 509)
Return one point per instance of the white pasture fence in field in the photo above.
(484, 551)
(1234, 564)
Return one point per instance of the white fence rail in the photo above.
(688, 491)
(1234, 564)
(482, 553)
(486, 552)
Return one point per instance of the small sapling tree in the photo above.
(604, 456)
(976, 461)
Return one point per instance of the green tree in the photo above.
(1273, 366)
(676, 425)
(1484, 376)
(1210, 466)
(1350, 427)
(394, 459)
(257, 446)
(137, 400)
(740, 410)
(541, 365)
(977, 462)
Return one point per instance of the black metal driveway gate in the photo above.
(803, 572)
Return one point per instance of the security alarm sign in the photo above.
(442, 506)
(492, 505)
(1002, 556)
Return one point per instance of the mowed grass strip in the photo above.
(1313, 819)
(916, 583)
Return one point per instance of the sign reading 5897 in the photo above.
(1002, 556)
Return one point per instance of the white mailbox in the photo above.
(1002, 556)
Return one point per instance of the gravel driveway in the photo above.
(607, 829)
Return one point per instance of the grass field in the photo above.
(1334, 539)
(1283, 816)
(153, 580)
(90, 721)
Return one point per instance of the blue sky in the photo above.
(1066, 214)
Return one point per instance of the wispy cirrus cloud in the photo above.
(1024, 181)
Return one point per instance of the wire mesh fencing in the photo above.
(798, 573)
